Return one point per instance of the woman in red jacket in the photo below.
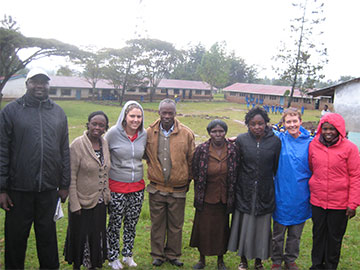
(334, 189)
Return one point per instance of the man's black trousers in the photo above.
(29, 208)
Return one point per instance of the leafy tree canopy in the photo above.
(156, 60)
(121, 68)
(12, 43)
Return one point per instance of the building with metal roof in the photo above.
(270, 95)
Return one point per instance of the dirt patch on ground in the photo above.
(203, 116)
(310, 124)
(307, 125)
(240, 122)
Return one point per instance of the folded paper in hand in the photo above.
(58, 211)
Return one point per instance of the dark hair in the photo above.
(255, 111)
(91, 115)
(215, 123)
(130, 107)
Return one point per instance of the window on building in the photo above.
(307, 100)
(197, 92)
(65, 92)
(294, 99)
(143, 90)
(176, 91)
(242, 94)
(52, 92)
(207, 92)
(232, 93)
(262, 96)
(272, 97)
(163, 91)
(130, 90)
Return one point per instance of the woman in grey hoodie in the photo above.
(127, 141)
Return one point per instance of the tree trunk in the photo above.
(152, 91)
(2, 86)
(0, 99)
(121, 97)
(297, 59)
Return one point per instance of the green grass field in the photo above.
(196, 115)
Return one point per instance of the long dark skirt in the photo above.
(210, 232)
(251, 235)
(86, 237)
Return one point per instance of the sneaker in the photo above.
(291, 266)
(276, 266)
(129, 261)
(116, 265)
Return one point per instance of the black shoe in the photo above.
(176, 262)
(221, 266)
(199, 265)
(157, 262)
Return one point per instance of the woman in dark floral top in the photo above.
(214, 170)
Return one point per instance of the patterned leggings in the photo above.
(125, 206)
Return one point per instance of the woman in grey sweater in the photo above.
(127, 141)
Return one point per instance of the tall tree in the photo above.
(66, 71)
(239, 71)
(303, 61)
(121, 69)
(91, 60)
(214, 68)
(12, 43)
(189, 63)
(157, 59)
(93, 70)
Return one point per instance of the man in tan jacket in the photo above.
(169, 150)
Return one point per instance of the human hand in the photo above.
(350, 213)
(63, 193)
(5, 201)
(232, 139)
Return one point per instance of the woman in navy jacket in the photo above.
(259, 151)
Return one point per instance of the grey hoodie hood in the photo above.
(122, 116)
(126, 156)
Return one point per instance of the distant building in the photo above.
(15, 87)
(62, 87)
(261, 94)
(346, 96)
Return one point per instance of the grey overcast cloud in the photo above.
(252, 28)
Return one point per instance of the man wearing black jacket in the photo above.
(34, 171)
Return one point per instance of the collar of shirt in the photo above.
(166, 133)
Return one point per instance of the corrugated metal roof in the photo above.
(329, 90)
(183, 84)
(261, 89)
(14, 77)
(77, 82)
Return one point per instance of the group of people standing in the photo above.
(260, 176)
(287, 176)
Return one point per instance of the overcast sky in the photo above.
(252, 28)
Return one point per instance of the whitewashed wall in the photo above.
(347, 103)
(14, 88)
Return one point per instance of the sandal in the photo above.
(243, 266)
(199, 265)
(258, 266)
(221, 266)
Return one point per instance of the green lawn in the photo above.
(196, 115)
